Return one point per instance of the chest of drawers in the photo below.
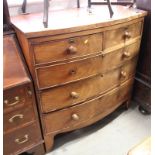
(21, 125)
(83, 67)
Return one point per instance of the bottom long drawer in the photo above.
(79, 115)
(21, 139)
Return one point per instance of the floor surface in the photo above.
(113, 135)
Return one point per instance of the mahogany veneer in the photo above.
(83, 64)
(21, 125)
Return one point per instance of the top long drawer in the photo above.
(59, 50)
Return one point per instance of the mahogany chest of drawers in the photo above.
(83, 65)
(21, 125)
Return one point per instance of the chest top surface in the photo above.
(73, 20)
(14, 72)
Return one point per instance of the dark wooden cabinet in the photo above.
(21, 123)
(142, 89)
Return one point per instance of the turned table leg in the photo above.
(49, 140)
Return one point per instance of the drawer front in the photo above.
(123, 34)
(17, 97)
(67, 72)
(71, 94)
(68, 48)
(63, 73)
(74, 116)
(119, 56)
(19, 140)
(18, 118)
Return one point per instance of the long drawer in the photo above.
(19, 118)
(19, 140)
(67, 72)
(71, 94)
(68, 48)
(122, 34)
(69, 118)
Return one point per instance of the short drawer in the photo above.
(122, 34)
(72, 117)
(114, 58)
(55, 75)
(18, 118)
(17, 97)
(19, 140)
(73, 93)
(67, 48)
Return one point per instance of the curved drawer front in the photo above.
(123, 34)
(67, 72)
(114, 58)
(71, 94)
(19, 140)
(72, 117)
(67, 48)
(18, 118)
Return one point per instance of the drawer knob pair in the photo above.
(123, 74)
(127, 35)
(75, 117)
(22, 140)
(72, 50)
(127, 54)
(14, 103)
(74, 95)
(13, 118)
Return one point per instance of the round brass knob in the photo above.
(127, 34)
(75, 117)
(74, 95)
(123, 74)
(72, 50)
(127, 54)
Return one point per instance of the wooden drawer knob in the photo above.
(127, 54)
(74, 95)
(13, 103)
(22, 140)
(72, 50)
(13, 118)
(127, 35)
(123, 74)
(75, 117)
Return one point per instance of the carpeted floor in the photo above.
(113, 135)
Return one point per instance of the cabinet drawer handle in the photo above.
(11, 104)
(20, 116)
(123, 74)
(75, 117)
(127, 54)
(72, 50)
(22, 140)
(127, 34)
(74, 95)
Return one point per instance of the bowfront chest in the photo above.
(83, 64)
